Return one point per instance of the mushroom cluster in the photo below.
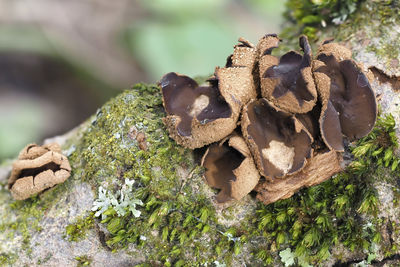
(283, 119)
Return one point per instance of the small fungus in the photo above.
(38, 168)
(287, 82)
(200, 115)
(348, 102)
(279, 142)
(292, 136)
(230, 167)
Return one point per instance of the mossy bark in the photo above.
(179, 224)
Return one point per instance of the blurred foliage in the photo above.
(190, 37)
(194, 37)
(307, 16)
(17, 121)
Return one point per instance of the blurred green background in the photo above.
(61, 60)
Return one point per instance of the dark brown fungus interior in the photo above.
(219, 162)
(351, 101)
(282, 143)
(330, 128)
(286, 134)
(35, 171)
(310, 121)
(288, 71)
(184, 98)
(289, 76)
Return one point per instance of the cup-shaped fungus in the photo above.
(292, 136)
(279, 142)
(287, 82)
(320, 168)
(230, 167)
(200, 115)
(348, 101)
(38, 168)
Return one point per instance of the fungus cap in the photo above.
(348, 102)
(279, 142)
(38, 168)
(230, 167)
(200, 115)
(287, 82)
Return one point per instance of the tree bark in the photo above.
(34, 232)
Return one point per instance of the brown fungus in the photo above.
(292, 139)
(38, 168)
(230, 167)
(200, 115)
(319, 169)
(244, 55)
(348, 102)
(279, 142)
(287, 82)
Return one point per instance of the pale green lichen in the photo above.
(175, 231)
(122, 203)
(170, 229)
(178, 224)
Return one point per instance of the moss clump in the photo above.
(308, 16)
(83, 261)
(77, 230)
(8, 259)
(19, 220)
(341, 210)
(177, 223)
(26, 222)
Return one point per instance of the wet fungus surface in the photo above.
(348, 102)
(184, 98)
(229, 166)
(272, 134)
(37, 169)
(287, 82)
(200, 115)
(292, 131)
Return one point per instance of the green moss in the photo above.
(77, 230)
(8, 259)
(170, 229)
(178, 225)
(83, 261)
(26, 216)
(173, 230)
(340, 210)
(25, 223)
(310, 16)
(376, 34)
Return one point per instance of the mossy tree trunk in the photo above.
(352, 218)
